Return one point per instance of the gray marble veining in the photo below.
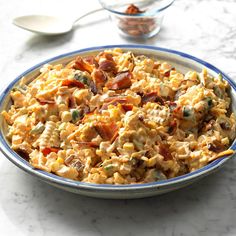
(206, 29)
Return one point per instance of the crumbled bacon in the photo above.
(164, 150)
(171, 105)
(216, 146)
(108, 66)
(172, 126)
(132, 9)
(108, 131)
(75, 83)
(127, 107)
(45, 101)
(87, 144)
(99, 77)
(152, 97)
(82, 65)
(121, 81)
(91, 60)
(114, 101)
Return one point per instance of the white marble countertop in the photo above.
(206, 29)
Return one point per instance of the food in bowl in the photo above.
(120, 118)
(137, 19)
(137, 26)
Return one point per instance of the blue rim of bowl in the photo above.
(146, 14)
(49, 177)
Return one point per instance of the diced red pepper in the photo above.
(47, 151)
(108, 132)
(121, 81)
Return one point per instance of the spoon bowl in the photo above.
(48, 25)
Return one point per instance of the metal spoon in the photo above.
(48, 25)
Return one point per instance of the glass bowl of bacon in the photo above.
(137, 19)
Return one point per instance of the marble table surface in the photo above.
(206, 29)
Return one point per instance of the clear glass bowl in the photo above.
(145, 24)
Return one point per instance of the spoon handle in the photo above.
(87, 14)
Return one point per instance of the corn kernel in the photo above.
(225, 141)
(128, 146)
(60, 160)
(152, 161)
(118, 179)
(66, 116)
(55, 166)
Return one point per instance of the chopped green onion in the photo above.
(76, 115)
(186, 112)
(217, 91)
(209, 101)
(108, 167)
(81, 77)
(158, 175)
(220, 76)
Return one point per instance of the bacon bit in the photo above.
(93, 87)
(87, 115)
(108, 132)
(113, 101)
(99, 77)
(152, 97)
(207, 126)
(108, 66)
(118, 99)
(156, 65)
(167, 73)
(74, 83)
(88, 144)
(47, 151)
(164, 150)
(172, 105)
(172, 127)
(216, 146)
(121, 81)
(225, 126)
(72, 102)
(127, 107)
(132, 9)
(105, 55)
(177, 112)
(82, 65)
(45, 101)
(91, 60)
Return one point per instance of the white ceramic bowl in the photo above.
(179, 60)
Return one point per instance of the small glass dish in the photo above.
(137, 19)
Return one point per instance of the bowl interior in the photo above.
(180, 61)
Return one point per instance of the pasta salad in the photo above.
(120, 118)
